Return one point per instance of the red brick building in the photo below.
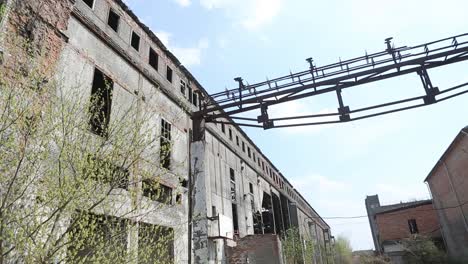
(392, 223)
(448, 182)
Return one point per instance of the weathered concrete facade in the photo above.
(233, 190)
(448, 182)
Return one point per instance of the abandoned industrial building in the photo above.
(222, 199)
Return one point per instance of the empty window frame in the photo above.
(169, 74)
(166, 144)
(135, 41)
(243, 146)
(101, 102)
(195, 98)
(155, 244)
(251, 188)
(248, 152)
(413, 227)
(230, 134)
(113, 20)
(223, 127)
(153, 59)
(190, 94)
(233, 185)
(89, 3)
(237, 140)
(183, 87)
(254, 158)
(157, 191)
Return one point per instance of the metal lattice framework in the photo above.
(335, 77)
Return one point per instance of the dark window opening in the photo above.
(89, 3)
(99, 236)
(268, 226)
(135, 41)
(237, 140)
(190, 94)
(213, 211)
(113, 20)
(153, 59)
(155, 244)
(166, 144)
(254, 158)
(157, 191)
(183, 183)
(232, 175)
(230, 134)
(235, 222)
(179, 198)
(169, 74)
(233, 185)
(195, 99)
(243, 146)
(251, 187)
(182, 87)
(248, 152)
(223, 128)
(101, 102)
(413, 227)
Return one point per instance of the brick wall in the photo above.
(448, 182)
(394, 225)
(258, 249)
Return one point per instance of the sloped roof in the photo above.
(400, 206)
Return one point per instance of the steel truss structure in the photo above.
(224, 106)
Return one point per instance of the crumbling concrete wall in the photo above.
(32, 36)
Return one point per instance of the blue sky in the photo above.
(334, 166)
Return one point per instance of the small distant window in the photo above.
(89, 3)
(190, 94)
(254, 158)
(230, 134)
(135, 41)
(243, 146)
(248, 152)
(231, 174)
(413, 227)
(251, 187)
(195, 99)
(153, 59)
(113, 20)
(169, 74)
(166, 144)
(223, 128)
(213, 211)
(182, 87)
(237, 140)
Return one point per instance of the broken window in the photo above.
(89, 3)
(155, 244)
(190, 94)
(235, 221)
(182, 87)
(169, 74)
(105, 172)
(230, 134)
(195, 99)
(101, 102)
(135, 41)
(233, 185)
(166, 144)
(157, 191)
(153, 59)
(99, 237)
(113, 20)
(413, 227)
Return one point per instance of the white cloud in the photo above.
(183, 3)
(249, 14)
(189, 56)
(319, 184)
